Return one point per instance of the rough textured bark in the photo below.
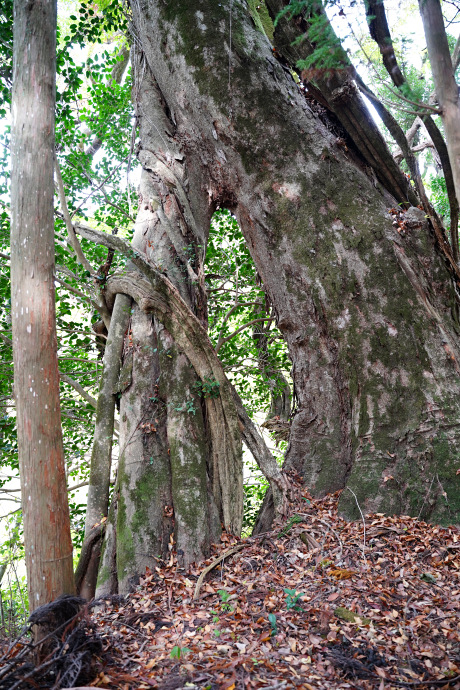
(227, 417)
(336, 88)
(450, 252)
(366, 310)
(48, 547)
(166, 449)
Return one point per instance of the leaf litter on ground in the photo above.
(318, 602)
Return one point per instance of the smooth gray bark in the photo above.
(101, 456)
(97, 503)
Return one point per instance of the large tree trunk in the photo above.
(171, 486)
(364, 301)
(366, 306)
(48, 547)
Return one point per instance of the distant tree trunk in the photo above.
(444, 81)
(365, 301)
(443, 72)
(48, 547)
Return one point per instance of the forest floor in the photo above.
(316, 603)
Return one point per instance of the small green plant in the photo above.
(325, 563)
(188, 406)
(292, 597)
(272, 621)
(294, 520)
(208, 388)
(179, 652)
(224, 595)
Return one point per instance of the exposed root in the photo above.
(63, 654)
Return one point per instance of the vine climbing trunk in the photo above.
(47, 543)
(170, 477)
(97, 503)
(364, 298)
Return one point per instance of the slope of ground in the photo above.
(315, 603)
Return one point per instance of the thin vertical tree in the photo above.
(444, 80)
(48, 546)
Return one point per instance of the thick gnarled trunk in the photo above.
(366, 309)
(363, 299)
(170, 486)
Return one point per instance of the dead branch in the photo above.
(210, 567)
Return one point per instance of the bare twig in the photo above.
(241, 328)
(228, 315)
(364, 524)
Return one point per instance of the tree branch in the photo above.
(79, 388)
(228, 315)
(343, 98)
(456, 55)
(241, 328)
(88, 196)
(398, 135)
(380, 32)
(68, 221)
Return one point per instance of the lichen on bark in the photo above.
(365, 310)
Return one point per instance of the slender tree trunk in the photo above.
(101, 457)
(446, 89)
(48, 547)
(365, 309)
